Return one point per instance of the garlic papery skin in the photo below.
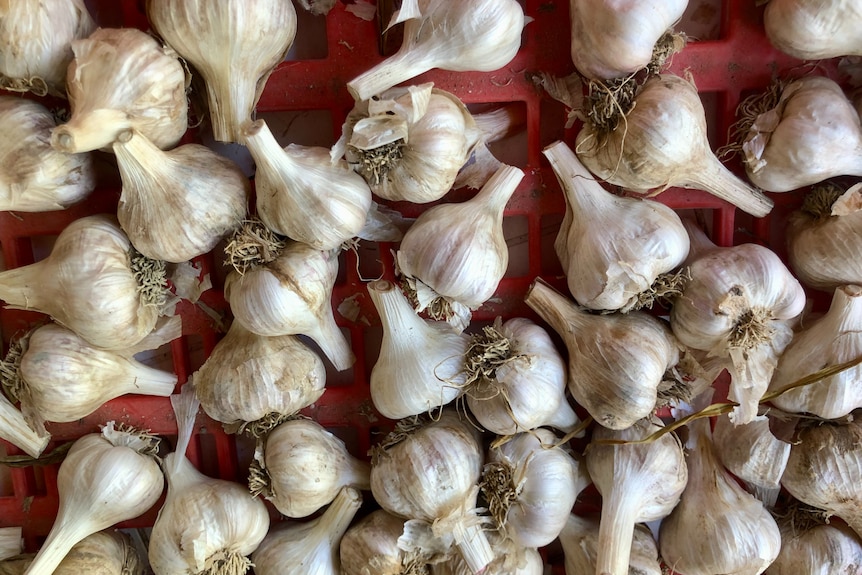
(831, 339)
(291, 295)
(639, 482)
(300, 467)
(531, 486)
(206, 525)
(813, 133)
(662, 143)
(813, 29)
(520, 379)
(179, 204)
(616, 361)
(234, 45)
(122, 79)
(612, 248)
(823, 470)
(459, 250)
(460, 36)
(34, 43)
(737, 306)
(821, 550)
(428, 471)
(303, 194)
(717, 526)
(17, 430)
(11, 543)
(580, 539)
(421, 362)
(510, 560)
(250, 381)
(309, 548)
(108, 552)
(106, 478)
(86, 284)
(372, 546)
(33, 176)
(611, 39)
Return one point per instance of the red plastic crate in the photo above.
(728, 57)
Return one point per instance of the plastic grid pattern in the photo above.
(737, 61)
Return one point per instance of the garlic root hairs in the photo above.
(500, 490)
(34, 84)
(152, 278)
(665, 287)
(747, 112)
(818, 201)
(253, 244)
(226, 563)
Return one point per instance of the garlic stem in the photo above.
(713, 176)
(339, 514)
(405, 64)
(332, 342)
(473, 545)
(616, 531)
(19, 287)
(552, 307)
(498, 190)
(15, 430)
(229, 106)
(499, 123)
(62, 537)
(86, 130)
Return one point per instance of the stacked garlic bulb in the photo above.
(814, 30)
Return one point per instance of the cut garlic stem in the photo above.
(620, 513)
(500, 122)
(87, 130)
(15, 430)
(400, 67)
(474, 545)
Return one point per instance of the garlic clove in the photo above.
(812, 30)
(580, 538)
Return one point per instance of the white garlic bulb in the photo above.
(234, 45)
(177, 205)
(612, 248)
(375, 545)
(33, 176)
(821, 550)
(814, 30)
(122, 79)
(108, 552)
(303, 194)
(580, 539)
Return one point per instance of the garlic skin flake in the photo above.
(122, 79)
(33, 176)
(821, 550)
(235, 45)
(814, 29)
(455, 35)
(177, 205)
(580, 539)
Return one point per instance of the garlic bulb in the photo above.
(428, 471)
(458, 251)
(580, 539)
(304, 195)
(234, 45)
(34, 43)
(461, 36)
(106, 478)
(612, 248)
(254, 381)
(737, 306)
(814, 29)
(639, 482)
(821, 550)
(122, 79)
(421, 362)
(108, 552)
(309, 548)
(824, 238)
(616, 362)
(662, 143)
(291, 295)
(520, 379)
(813, 133)
(206, 525)
(409, 143)
(531, 486)
(33, 176)
(612, 39)
(88, 284)
(823, 470)
(300, 467)
(177, 205)
(717, 526)
(374, 546)
(510, 560)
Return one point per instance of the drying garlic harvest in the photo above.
(455, 255)
(616, 362)
(517, 379)
(376, 544)
(613, 39)
(303, 194)
(299, 466)
(456, 35)
(177, 205)
(428, 471)
(814, 29)
(88, 283)
(106, 478)
(821, 550)
(310, 547)
(662, 143)
(122, 79)
(254, 381)
(33, 176)
(717, 526)
(580, 540)
(421, 362)
(34, 43)
(234, 45)
(639, 482)
(206, 525)
(812, 133)
(616, 247)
